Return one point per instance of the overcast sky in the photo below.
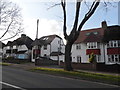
(50, 20)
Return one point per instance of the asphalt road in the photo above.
(21, 79)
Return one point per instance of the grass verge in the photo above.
(4, 64)
(112, 79)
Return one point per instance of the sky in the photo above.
(51, 20)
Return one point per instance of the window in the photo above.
(58, 42)
(92, 45)
(46, 38)
(45, 47)
(78, 46)
(119, 59)
(109, 58)
(114, 58)
(97, 58)
(95, 33)
(115, 43)
(118, 43)
(78, 59)
(87, 34)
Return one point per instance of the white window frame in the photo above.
(78, 46)
(78, 59)
(110, 60)
(113, 43)
(92, 45)
(45, 47)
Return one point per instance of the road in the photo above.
(21, 79)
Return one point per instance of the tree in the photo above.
(10, 19)
(72, 37)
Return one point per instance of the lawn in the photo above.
(4, 64)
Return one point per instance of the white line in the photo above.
(12, 85)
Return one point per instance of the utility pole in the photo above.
(36, 46)
(37, 29)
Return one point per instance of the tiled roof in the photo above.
(90, 35)
(112, 33)
(45, 40)
(93, 38)
(23, 40)
(36, 42)
(99, 34)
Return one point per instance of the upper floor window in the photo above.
(114, 43)
(95, 33)
(45, 47)
(58, 42)
(92, 45)
(78, 46)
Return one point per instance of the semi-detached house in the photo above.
(19, 48)
(103, 42)
(50, 46)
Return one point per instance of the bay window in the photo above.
(92, 45)
(113, 43)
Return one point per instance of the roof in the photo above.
(23, 40)
(99, 34)
(90, 35)
(112, 33)
(45, 40)
(9, 43)
(36, 42)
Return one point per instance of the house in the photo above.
(103, 42)
(7, 49)
(1, 49)
(19, 48)
(50, 46)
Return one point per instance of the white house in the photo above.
(50, 46)
(20, 48)
(103, 42)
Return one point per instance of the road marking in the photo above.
(12, 85)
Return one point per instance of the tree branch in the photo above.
(10, 37)
(6, 30)
(89, 14)
(13, 35)
(53, 6)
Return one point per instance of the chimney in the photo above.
(23, 35)
(104, 25)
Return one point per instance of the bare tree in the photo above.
(72, 37)
(10, 19)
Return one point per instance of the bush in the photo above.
(10, 58)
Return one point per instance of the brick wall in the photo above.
(84, 66)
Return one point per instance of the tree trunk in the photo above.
(68, 58)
